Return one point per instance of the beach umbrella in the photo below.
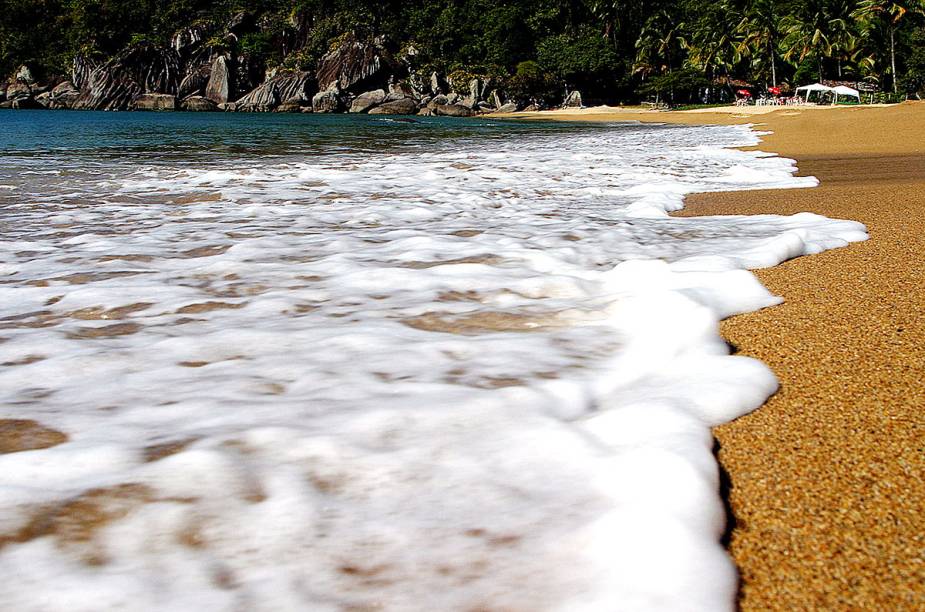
(774, 90)
(744, 92)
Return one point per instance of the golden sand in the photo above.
(828, 478)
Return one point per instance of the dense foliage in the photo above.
(611, 50)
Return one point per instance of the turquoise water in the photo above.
(218, 135)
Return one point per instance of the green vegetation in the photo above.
(680, 51)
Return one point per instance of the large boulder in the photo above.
(24, 75)
(405, 106)
(290, 106)
(63, 96)
(156, 102)
(18, 90)
(366, 101)
(356, 66)
(438, 85)
(81, 68)
(187, 39)
(218, 88)
(286, 86)
(452, 110)
(199, 104)
(140, 68)
(510, 107)
(195, 82)
(328, 101)
(573, 100)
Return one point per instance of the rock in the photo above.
(248, 74)
(44, 99)
(495, 99)
(510, 107)
(405, 106)
(2, 95)
(438, 85)
(18, 90)
(6, 104)
(452, 110)
(218, 88)
(426, 112)
(24, 75)
(187, 39)
(356, 66)
(531, 109)
(63, 96)
(140, 68)
(367, 100)
(573, 100)
(194, 83)
(241, 23)
(81, 68)
(289, 106)
(397, 91)
(228, 107)
(469, 102)
(24, 104)
(307, 109)
(485, 107)
(156, 102)
(288, 86)
(199, 104)
(327, 101)
(439, 99)
(452, 98)
(474, 90)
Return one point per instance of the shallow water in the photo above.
(330, 361)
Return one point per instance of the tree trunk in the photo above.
(773, 69)
(893, 58)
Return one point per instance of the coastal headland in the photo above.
(825, 481)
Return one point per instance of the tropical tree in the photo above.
(713, 45)
(761, 33)
(891, 13)
(660, 43)
(812, 31)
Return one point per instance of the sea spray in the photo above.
(475, 368)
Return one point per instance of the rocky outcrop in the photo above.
(452, 110)
(218, 88)
(155, 102)
(24, 75)
(187, 39)
(328, 101)
(365, 101)
(63, 96)
(510, 107)
(289, 106)
(356, 66)
(18, 90)
(199, 104)
(141, 68)
(81, 68)
(194, 83)
(405, 106)
(287, 86)
(573, 100)
(438, 84)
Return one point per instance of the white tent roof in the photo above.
(846, 91)
(815, 87)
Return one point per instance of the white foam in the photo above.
(340, 446)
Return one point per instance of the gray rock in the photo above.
(156, 102)
(356, 66)
(18, 90)
(199, 104)
(453, 98)
(485, 107)
(469, 102)
(228, 107)
(440, 99)
(397, 91)
(495, 99)
(510, 107)
(328, 101)
(24, 104)
(426, 112)
(573, 100)
(405, 106)
(81, 68)
(474, 90)
(218, 89)
(437, 84)
(187, 39)
(368, 100)
(140, 68)
(24, 75)
(289, 106)
(284, 86)
(194, 83)
(532, 108)
(452, 110)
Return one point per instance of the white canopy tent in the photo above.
(841, 90)
(808, 89)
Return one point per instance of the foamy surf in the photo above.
(473, 374)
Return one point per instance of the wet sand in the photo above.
(827, 480)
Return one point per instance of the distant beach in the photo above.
(826, 484)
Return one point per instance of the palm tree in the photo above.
(714, 44)
(760, 31)
(660, 43)
(813, 30)
(892, 13)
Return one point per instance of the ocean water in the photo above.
(351, 363)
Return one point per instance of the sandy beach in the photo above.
(825, 480)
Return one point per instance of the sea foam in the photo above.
(479, 375)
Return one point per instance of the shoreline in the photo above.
(825, 478)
